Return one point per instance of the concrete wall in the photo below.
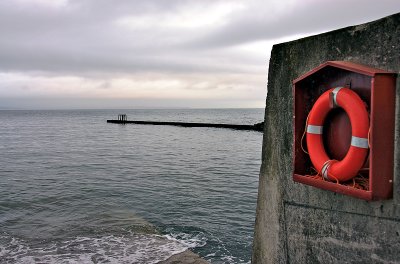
(296, 223)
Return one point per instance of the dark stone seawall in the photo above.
(296, 223)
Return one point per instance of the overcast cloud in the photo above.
(155, 53)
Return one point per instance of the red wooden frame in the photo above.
(377, 89)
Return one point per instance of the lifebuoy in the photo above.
(355, 108)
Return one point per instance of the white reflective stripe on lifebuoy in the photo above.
(335, 92)
(314, 129)
(359, 142)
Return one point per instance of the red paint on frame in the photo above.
(376, 88)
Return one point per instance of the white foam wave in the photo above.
(132, 248)
(189, 240)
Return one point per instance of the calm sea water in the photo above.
(74, 189)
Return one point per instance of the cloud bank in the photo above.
(174, 53)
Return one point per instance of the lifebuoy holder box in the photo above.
(376, 88)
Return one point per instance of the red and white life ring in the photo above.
(349, 166)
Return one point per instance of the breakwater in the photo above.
(255, 127)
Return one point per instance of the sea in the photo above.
(76, 189)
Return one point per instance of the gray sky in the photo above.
(155, 53)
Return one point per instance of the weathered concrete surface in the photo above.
(296, 223)
(186, 257)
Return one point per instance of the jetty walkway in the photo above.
(123, 120)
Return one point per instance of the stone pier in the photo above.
(296, 223)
